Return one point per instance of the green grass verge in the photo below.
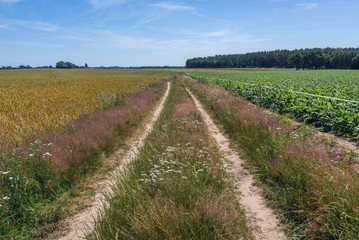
(36, 181)
(312, 182)
(176, 188)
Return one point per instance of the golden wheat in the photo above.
(32, 101)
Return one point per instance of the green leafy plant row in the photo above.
(280, 89)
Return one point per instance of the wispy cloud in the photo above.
(35, 44)
(245, 38)
(307, 6)
(205, 34)
(105, 3)
(9, 1)
(115, 40)
(277, 1)
(148, 19)
(35, 25)
(75, 37)
(174, 7)
(41, 26)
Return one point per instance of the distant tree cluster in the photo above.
(6, 67)
(25, 67)
(314, 58)
(62, 64)
(20, 67)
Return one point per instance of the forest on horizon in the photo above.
(309, 58)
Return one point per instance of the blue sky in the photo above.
(150, 32)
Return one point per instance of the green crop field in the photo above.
(328, 99)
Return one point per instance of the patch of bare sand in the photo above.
(261, 218)
(84, 221)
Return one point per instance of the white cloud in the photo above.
(10, 1)
(173, 7)
(148, 19)
(307, 6)
(105, 3)
(277, 1)
(36, 25)
(75, 37)
(207, 34)
(35, 44)
(42, 26)
(245, 38)
(114, 40)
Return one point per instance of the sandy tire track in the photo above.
(85, 220)
(263, 222)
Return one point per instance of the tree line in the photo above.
(309, 58)
(22, 67)
(62, 64)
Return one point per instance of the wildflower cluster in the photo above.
(166, 167)
(179, 163)
(25, 174)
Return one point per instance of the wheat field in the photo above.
(37, 100)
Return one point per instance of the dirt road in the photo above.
(84, 221)
(260, 217)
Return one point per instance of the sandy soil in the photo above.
(262, 220)
(84, 221)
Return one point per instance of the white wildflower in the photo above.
(31, 155)
(170, 149)
(184, 177)
(4, 173)
(6, 198)
(11, 178)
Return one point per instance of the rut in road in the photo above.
(85, 221)
(262, 220)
